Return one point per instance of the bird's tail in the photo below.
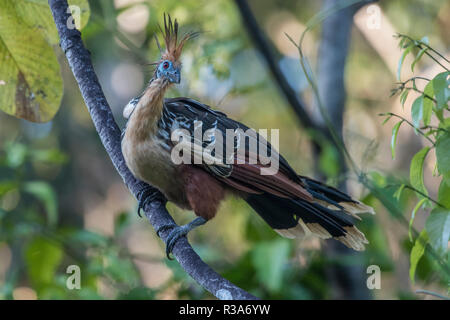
(330, 215)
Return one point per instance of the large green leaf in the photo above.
(37, 14)
(443, 156)
(416, 170)
(441, 85)
(30, 83)
(444, 194)
(438, 229)
(417, 252)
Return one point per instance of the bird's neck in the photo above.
(144, 120)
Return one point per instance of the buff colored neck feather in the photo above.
(143, 122)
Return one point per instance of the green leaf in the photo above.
(418, 57)
(270, 271)
(403, 97)
(416, 253)
(441, 89)
(428, 103)
(413, 215)
(42, 259)
(438, 229)
(30, 82)
(400, 62)
(387, 119)
(394, 137)
(443, 155)
(417, 111)
(444, 194)
(37, 15)
(416, 170)
(44, 192)
(398, 192)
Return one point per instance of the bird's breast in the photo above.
(149, 161)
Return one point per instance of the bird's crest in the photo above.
(170, 35)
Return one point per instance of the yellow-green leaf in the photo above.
(416, 170)
(417, 252)
(444, 194)
(428, 103)
(394, 137)
(37, 15)
(30, 82)
(413, 215)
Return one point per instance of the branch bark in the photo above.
(110, 135)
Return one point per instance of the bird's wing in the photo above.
(243, 170)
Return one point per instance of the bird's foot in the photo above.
(177, 232)
(147, 195)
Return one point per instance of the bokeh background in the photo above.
(62, 203)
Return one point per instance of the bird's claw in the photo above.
(177, 232)
(173, 237)
(164, 228)
(146, 196)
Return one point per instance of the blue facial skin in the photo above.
(168, 71)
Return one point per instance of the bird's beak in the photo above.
(175, 77)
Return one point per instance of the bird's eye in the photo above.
(166, 64)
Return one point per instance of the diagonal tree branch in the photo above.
(109, 133)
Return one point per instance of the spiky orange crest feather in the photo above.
(170, 35)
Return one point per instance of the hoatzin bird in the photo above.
(291, 204)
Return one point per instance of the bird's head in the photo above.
(169, 67)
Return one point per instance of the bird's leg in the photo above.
(147, 195)
(178, 232)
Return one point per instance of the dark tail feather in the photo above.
(334, 199)
(293, 218)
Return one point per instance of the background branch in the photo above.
(265, 48)
(109, 133)
(350, 280)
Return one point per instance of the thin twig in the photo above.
(408, 122)
(407, 186)
(431, 293)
